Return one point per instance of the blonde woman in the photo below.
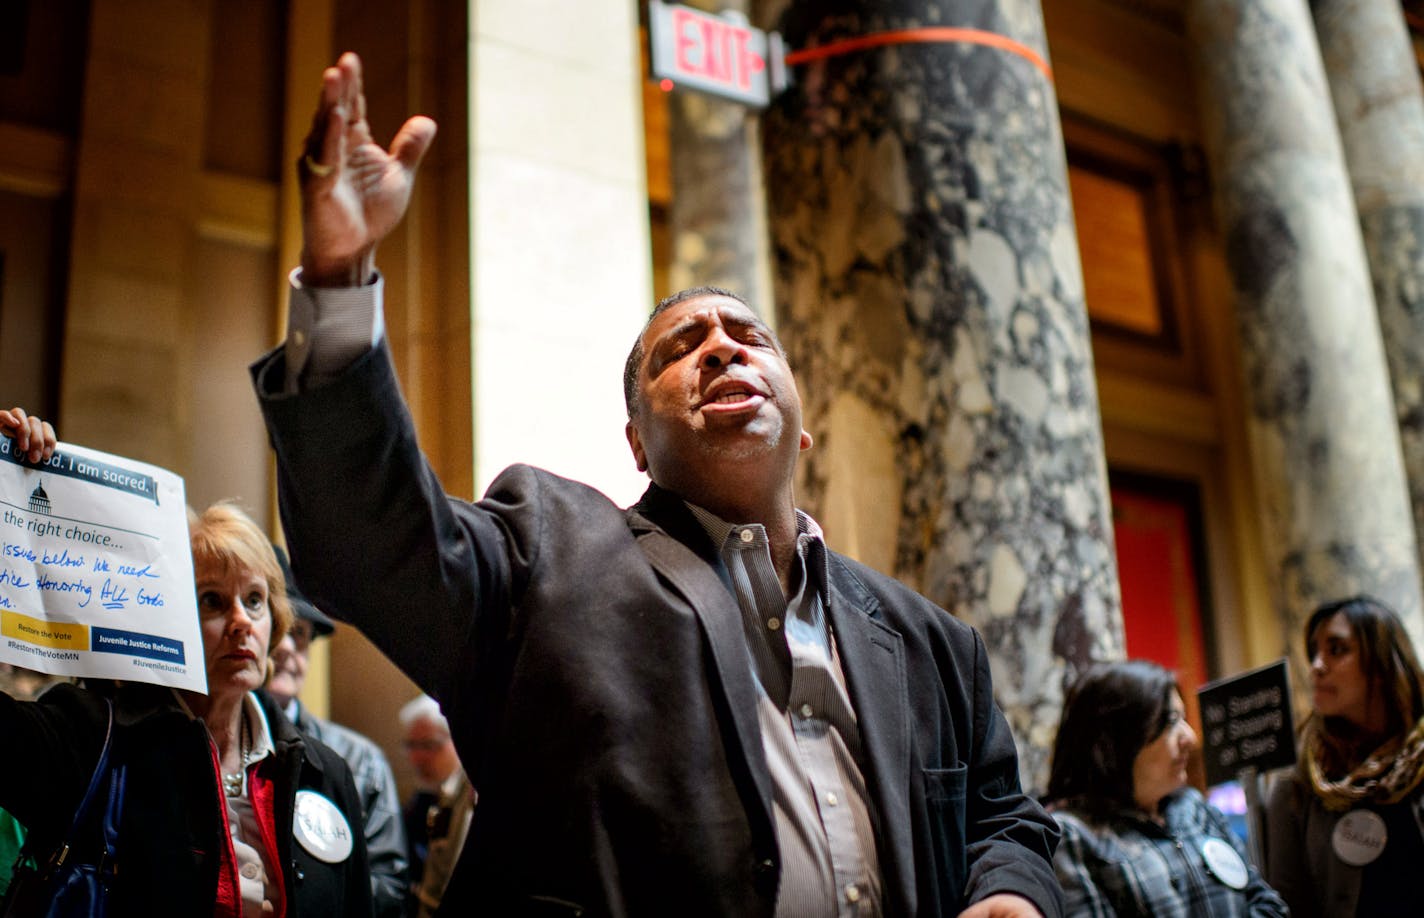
(227, 810)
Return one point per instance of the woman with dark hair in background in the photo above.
(1344, 832)
(226, 810)
(1136, 839)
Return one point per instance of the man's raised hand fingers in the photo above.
(322, 148)
(333, 144)
(353, 99)
(411, 142)
(358, 89)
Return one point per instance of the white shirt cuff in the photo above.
(329, 329)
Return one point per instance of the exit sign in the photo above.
(719, 55)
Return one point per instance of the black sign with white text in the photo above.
(1246, 722)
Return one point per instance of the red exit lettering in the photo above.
(714, 50)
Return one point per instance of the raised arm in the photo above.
(353, 191)
(372, 536)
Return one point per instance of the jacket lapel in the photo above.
(872, 657)
(679, 550)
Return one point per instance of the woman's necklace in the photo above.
(232, 784)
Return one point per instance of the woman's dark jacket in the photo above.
(171, 837)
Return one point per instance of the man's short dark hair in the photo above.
(635, 356)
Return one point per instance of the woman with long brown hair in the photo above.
(1343, 832)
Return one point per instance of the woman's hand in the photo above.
(34, 438)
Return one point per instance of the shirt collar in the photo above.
(262, 745)
(718, 529)
(810, 540)
(258, 729)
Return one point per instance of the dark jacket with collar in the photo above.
(591, 663)
(1301, 862)
(380, 806)
(171, 833)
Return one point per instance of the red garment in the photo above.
(264, 798)
(229, 893)
(229, 898)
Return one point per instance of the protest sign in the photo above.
(96, 575)
(1247, 723)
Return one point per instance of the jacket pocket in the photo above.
(944, 806)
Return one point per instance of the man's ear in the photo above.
(806, 441)
(635, 443)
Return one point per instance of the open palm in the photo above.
(353, 191)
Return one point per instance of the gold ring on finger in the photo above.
(317, 169)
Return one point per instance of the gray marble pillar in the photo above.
(1379, 106)
(1324, 444)
(929, 289)
(717, 215)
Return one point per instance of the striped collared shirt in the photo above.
(808, 727)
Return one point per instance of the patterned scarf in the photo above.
(1387, 775)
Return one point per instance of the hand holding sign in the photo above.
(33, 437)
(96, 575)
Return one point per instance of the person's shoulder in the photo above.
(523, 475)
(1189, 796)
(1189, 805)
(351, 745)
(76, 703)
(1070, 816)
(1286, 792)
(856, 576)
(902, 606)
(521, 485)
(329, 762)
(68, 693)
(1080, 830)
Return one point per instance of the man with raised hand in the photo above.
(688, 707)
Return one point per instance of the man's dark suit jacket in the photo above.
(592, 665)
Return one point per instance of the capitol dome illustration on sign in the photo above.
(39, 500)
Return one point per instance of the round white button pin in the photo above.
(321, 828)
(1224, 863)
(1359, 837)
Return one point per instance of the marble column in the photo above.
(1325, 447)
(717, 214)
(929, 290)
(1379, 106)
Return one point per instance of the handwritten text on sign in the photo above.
(96, 575)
